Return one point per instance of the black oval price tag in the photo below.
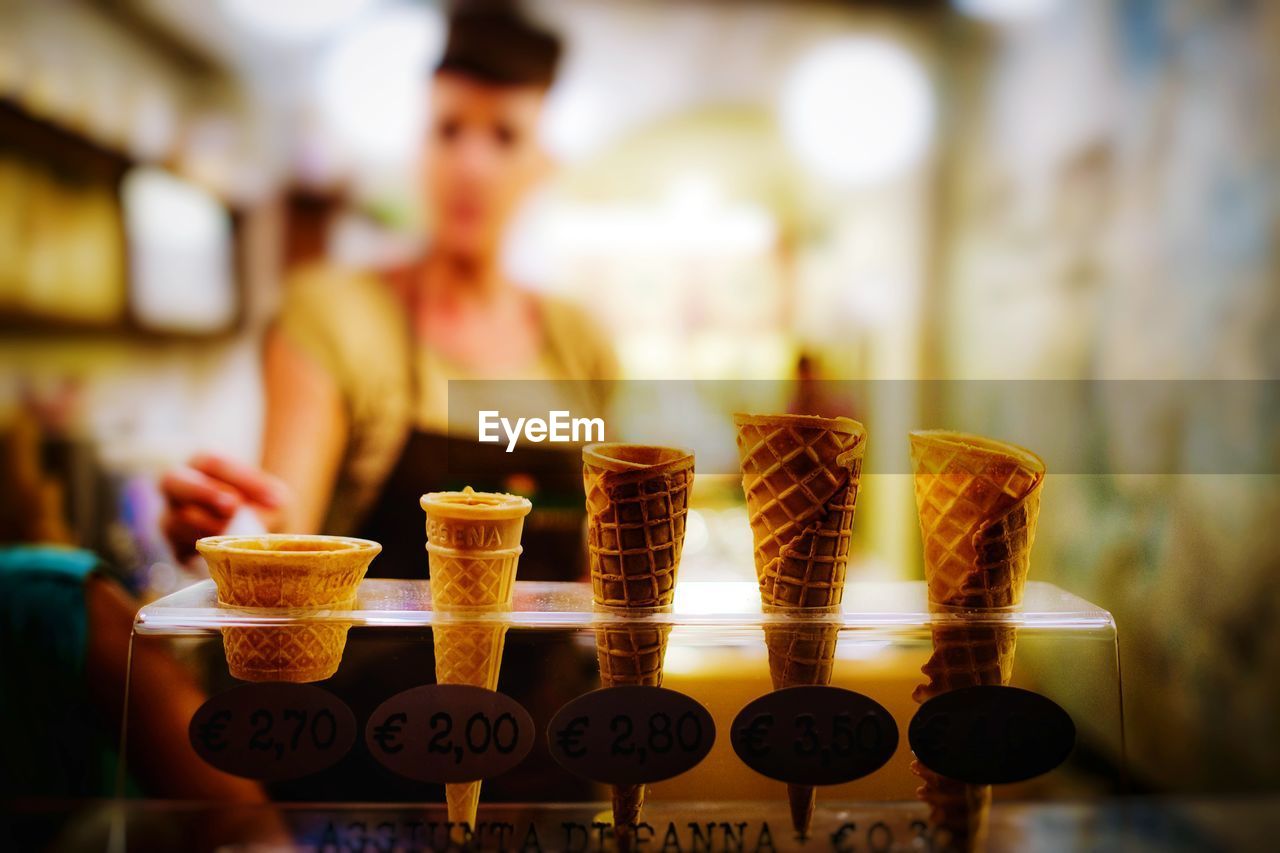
(990, 734)
(814, 735)
(631, 735)
(449, 733)
(272, 731)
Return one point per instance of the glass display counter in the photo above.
(897, 726)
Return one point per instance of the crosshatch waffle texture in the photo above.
(295, 653)
(472, 578)
(637, 504)
(801, 475)
(978, 501)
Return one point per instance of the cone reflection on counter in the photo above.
(630, 655)
(294, 573)
(978, 501)
(473, 546)
(637, 504)
(801, 475)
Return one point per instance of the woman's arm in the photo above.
(305, 432)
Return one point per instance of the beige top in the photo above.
(354, 326)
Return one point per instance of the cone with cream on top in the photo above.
(978, 501)
(801, 475)
(293, 573)
(473, 546)
(637, 503)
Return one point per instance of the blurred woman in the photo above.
(356, 368)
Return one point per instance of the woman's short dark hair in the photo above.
(492, 41)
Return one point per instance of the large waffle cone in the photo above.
(801, 655)
(978, 502)
(467, 654)
(637, 502)
(800, 474)
(630, 655)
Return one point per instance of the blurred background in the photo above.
(977, 189)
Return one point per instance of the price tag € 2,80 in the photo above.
(631, 735)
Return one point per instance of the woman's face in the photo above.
(482, 158)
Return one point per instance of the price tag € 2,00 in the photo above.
(449, 733)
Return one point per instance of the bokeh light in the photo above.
(858, 111)
(372, 88)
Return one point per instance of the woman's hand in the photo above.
(202, 497)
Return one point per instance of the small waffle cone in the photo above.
(630, 655)
(800, 474)
(637, 502)
(473, 546)
(287, 572)
(800, 656)
(467, 654)
(978, 501)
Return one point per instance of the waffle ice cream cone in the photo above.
(473, 546)
(630, 655)
(637, 502)
(978, 501)
(294, 573)
(800, 474)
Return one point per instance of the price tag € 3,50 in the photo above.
(814, 735)
(631, 735)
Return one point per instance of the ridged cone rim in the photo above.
(978, 445)
(836, 424)
(595, 455)
(469, 554)
(226, 544)
(470, 505)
